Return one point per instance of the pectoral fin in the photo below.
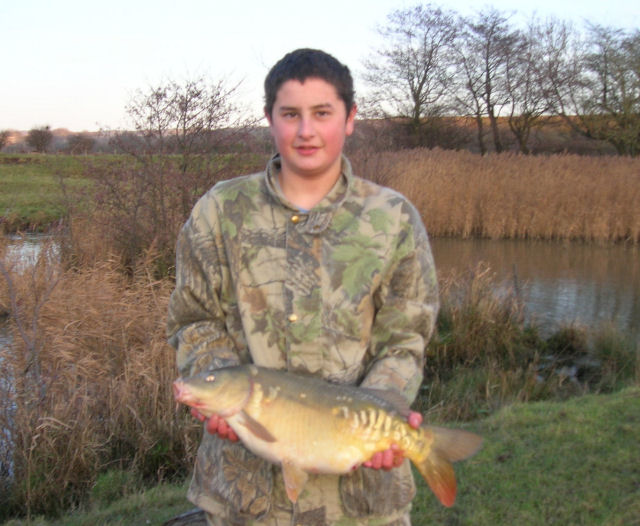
(257, 428)
(294, 479)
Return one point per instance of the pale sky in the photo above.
(75, 64)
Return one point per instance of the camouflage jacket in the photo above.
(346, 292)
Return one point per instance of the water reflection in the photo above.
(25, 249)
(561, 283)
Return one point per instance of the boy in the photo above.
(307, 268)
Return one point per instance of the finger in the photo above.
(211, 425)
(414, 419)
(387, 459)
(197, 414)
(376, 460)
(232, 435)
(223, 428)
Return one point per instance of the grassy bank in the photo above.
(572, 462)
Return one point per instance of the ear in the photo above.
(267, 116)
(351, 120)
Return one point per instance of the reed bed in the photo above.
(555, 197)
(86, 385)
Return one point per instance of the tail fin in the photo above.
(449, 445)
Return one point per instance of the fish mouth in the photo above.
(183, 394)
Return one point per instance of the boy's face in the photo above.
(309, 124)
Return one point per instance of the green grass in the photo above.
(575, 462)
(566, 463)
(153, 506)
(31, 196)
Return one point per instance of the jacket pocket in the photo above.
(229, 473)
(376, 491)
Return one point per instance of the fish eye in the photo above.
(210, 378)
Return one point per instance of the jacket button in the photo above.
(293, 318)
(295, 219)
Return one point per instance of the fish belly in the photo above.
(313, 438)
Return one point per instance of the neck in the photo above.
(306, 192)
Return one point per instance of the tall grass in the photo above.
(483, 355)
(515, 196)
(459, 193)
(86, 384)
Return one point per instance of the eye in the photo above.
(210, 378)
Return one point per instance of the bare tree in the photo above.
(198, 120)
(611, 105)
(183, 135)
(40, 138)
(484, 49)
(469, 88)
(593, 83)
(80, 144)
(523, 81)
(409, 73)
(186, 118)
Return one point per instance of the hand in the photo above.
(216, 425)
(394, 456)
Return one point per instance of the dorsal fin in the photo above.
(390, 400)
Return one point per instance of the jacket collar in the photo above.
(329, 202)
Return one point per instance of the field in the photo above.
(32, 189)
(92, 417)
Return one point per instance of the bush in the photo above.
(141, 204)
(39, 138)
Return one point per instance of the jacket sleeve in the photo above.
(406, 309)
(196, 318)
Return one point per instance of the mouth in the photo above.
(306, 150)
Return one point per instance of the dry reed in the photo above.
(567, 197)
(94, 390)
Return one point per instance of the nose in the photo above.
(305, 128)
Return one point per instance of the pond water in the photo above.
(561, 283)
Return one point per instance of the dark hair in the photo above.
(302, 64)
